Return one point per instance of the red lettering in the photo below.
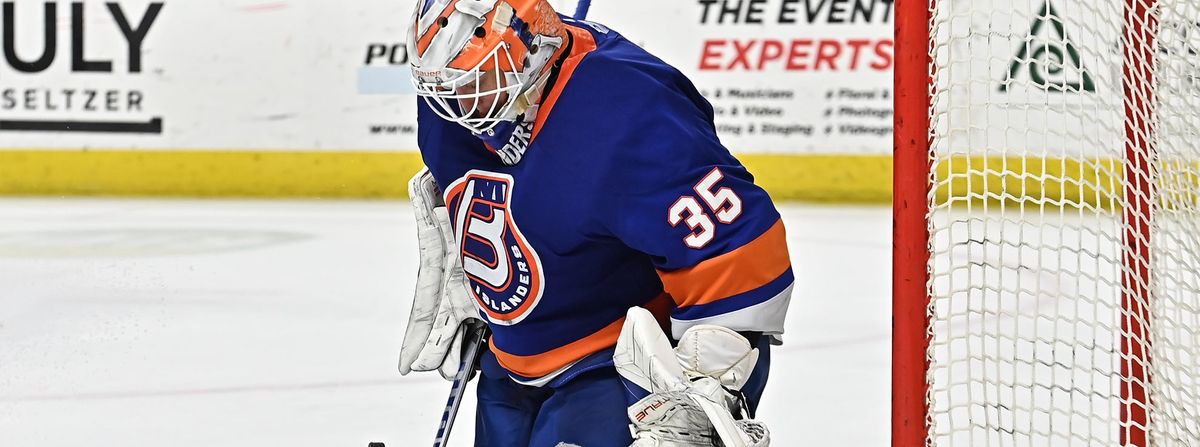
(828, 57)
(798, 54)
(742, 56)
(771, 51)
(711, 51)
(856, 45)
(884, 50)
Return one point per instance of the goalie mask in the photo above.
(482, 63)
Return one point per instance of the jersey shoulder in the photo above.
(618, 73)
(636, 111)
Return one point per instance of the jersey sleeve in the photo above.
(719, 247)
(714, 236)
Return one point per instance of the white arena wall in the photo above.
(311, 99)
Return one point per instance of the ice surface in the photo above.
(277, 323)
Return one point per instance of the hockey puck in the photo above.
(376, 444)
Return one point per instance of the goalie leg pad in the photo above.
(717, 352)
(686, 404)
(670, 418)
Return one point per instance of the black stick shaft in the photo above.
(458, 387)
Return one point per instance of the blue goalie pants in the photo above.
(584, 407)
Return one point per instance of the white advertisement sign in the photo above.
(784, 76)
(788, 76)
(213, 74)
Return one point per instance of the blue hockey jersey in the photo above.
(624, 197)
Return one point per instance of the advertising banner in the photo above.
(784, 76)
(221, 74)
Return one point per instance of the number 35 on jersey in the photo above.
(709, 201)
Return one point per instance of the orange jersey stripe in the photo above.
(539, 365)
(747, 268)
(584, 44)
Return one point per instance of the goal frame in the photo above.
(913, 85)
(911, 165)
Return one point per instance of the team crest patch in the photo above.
(503, 272)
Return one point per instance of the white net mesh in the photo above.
(1065, 223)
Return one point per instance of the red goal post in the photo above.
(910, 233)
(1046, 218)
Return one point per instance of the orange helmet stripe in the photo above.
(427, 38)
(477, 50)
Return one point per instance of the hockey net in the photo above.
(1047, 265)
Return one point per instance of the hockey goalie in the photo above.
(578, 204)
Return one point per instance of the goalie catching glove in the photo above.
(694, 388)
(436, 329)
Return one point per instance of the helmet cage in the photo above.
(456, 95)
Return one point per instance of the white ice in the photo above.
(277, 323)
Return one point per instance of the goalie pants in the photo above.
(584, 407)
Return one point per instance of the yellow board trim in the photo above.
(171, 173)
(862, 179)
(359, 174)
(1050, 182)
(963, 181)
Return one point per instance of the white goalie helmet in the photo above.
(482, 62)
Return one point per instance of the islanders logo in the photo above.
(503, 272)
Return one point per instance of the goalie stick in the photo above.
(581, 9)
(477, 335)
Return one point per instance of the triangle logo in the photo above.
(1049, 58)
